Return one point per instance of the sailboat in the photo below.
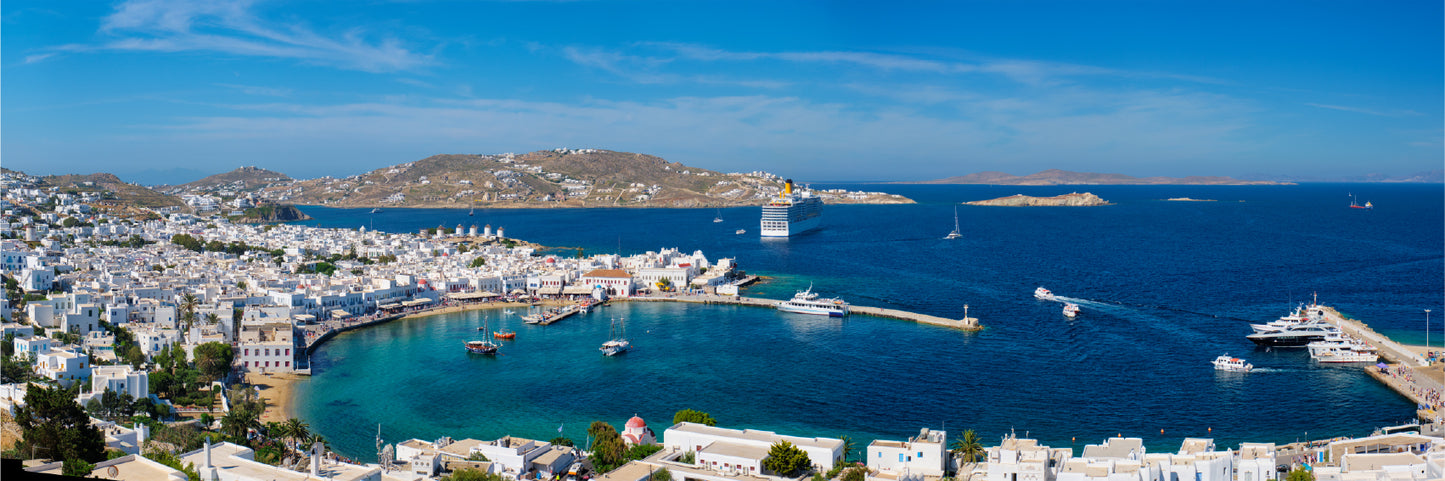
(375, 210)
(955, 234)
(483, 346)
(474, 206)
(719, 216)
(618, 343)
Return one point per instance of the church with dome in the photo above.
(637, 432)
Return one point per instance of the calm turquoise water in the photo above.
(1165, 287)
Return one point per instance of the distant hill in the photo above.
(549, 178)
(241, 180)
(1064, 177)
(1076, 199)
(1426, 177)
(112, 188)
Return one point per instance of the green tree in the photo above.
(52, 423)
(188, 309)
(469, 474)
(608, 450)
(76, 468)
(246, 409)
(848, 447)
(213, 359)
(787, 460)
(855, 473)
(1300, 474)
(477, 456)
(295, 430)
(661, 475)
(562, 441)
(478, 262)
(639, 451)
(14, 369)
(691, 416)
(968, 448)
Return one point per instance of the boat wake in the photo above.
(1270, 369)
(1124, 307)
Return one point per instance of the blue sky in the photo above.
(813, 90)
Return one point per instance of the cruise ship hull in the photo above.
(790, 228)
(1281, 340)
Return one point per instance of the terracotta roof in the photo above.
(608, 273)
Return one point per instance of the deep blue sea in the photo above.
(1165, 287)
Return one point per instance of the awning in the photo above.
(338, 313)
(550, 290)
(464, 296)
(518, 292)
(577, 290)
(389, 306)
(305, 317)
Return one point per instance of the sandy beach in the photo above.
(277, 390)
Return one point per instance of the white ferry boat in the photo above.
(807, 302)
(1044, 294)
(1071, 310)
(1232, 364)
(791, 213)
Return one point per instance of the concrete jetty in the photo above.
(966, 324)
(1388, 349)
(1408, 373)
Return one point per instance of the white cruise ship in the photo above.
(807, 302)
(791, 213)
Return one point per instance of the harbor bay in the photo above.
(1164, 288)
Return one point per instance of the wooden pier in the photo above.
(966, 324)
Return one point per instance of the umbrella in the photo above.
(1382, 365)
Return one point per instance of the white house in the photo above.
(32, 345)
(923, 455)
(121, 379)
(1024, 460)
(513, 455)
(65, 367)
(616, 282)
(744, 450)
(1256, 462)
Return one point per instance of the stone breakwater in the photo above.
(1067, 200)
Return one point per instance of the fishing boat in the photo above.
(1044, 294)
(741, 231)
(617, 342)
(1071, 310)
(1231, 364)
(1354, 205)
(955, 234)
(505, 334)
(807, 302)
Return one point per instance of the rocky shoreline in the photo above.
(1067, 200)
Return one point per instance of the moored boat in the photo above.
(807, 302)
(482, 347)
(955, 234)
(617, 342)
(1231, 364)
(1299, 335)
(505, 334)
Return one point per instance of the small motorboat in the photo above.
(741, 231)
(1044, 294)
(1071, 310)
(1231, 364)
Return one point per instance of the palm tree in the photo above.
(212, 318)
(188, 309)
(296, 430)
(968, 448)
(848, 447)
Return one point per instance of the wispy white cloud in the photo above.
(40, 57)
(259, 91)
(233, 27)
(1359, 110)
